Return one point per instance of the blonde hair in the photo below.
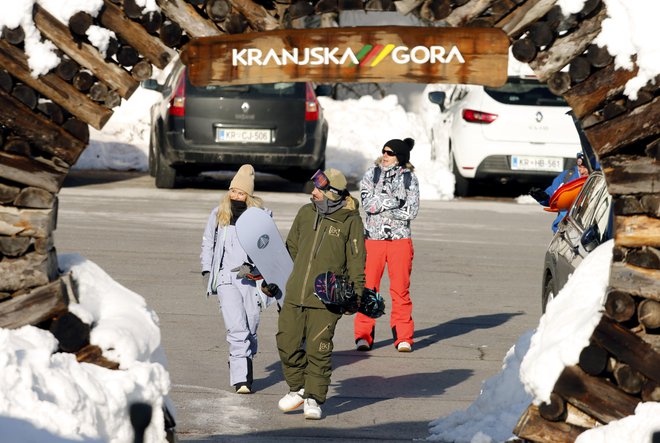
(224, 207)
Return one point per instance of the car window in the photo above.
(258, 90)
(525, 91)
(585, 204)
(603, 207)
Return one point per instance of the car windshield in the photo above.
(525, 91)
(257, 90)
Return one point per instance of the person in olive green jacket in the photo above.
(327, 235)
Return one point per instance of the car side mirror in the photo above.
(590, 238)
(153, 85)
(438, 97)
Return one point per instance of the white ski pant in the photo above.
(239, 305)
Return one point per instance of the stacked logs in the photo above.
(621, 366)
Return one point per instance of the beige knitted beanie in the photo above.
(244, 180)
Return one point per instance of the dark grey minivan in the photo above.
(278, 128)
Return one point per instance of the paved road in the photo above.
(475, 287)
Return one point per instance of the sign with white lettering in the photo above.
(363, 54)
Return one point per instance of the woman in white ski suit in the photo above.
(224, 265)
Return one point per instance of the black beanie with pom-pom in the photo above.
(401, 149)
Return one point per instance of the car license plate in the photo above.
(532, 163)
(224, 135)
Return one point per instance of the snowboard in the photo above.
(261, 240)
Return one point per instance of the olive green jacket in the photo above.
(336, 245)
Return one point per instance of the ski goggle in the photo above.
(322, 182)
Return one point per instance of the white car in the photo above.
(518, 132)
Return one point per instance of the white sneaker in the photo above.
(291, 401)
(362, 345)
(312, 410)
(404, 346)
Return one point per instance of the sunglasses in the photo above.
(322, 182)
(388, 153)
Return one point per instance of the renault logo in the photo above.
(539, 117)
(245, 107)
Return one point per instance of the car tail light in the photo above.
(311, 104)
(178, 101)
(472, 116)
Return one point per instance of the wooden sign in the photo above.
(389, 54)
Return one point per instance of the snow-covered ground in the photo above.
(39, 401)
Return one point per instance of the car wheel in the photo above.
(462, 186)
(152, 160)
(548, 293)
(165, 174)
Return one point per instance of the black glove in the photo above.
(539, 195)
(205, 277)
(247, 270)
(270, 289)
(371, 303)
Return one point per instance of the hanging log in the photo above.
(17, 146)
(83, 80)
(388, 5)
(142, 70)
(94, 355)
(589, 8)
(53, 111)
(71, 332)
(34, 307)
(25, 272)
(651, 204)
(132, 10)
(84, 55)
(531, 426)
(604, 84)
(637, 231)
(627, 205)
(77, 128)
(404, 7)
(41, 132)
(34, 198)
(634, 280)
(135, 35)
(638, 124)
(567, 48)
(15, 36)
(648, 313)
(326, 6)
(576, 417)
(628, 348)
(463, 14)
(14, 246)
(79, 23)
(217, 10)
(54, 88)
(593, 395)
(650, 391)
(643, 97)
(517, 22)
(524, 50)
(25, 95)
(112, 99)
(258, 17)
(559, 83)
(619, 306)
(170, 33)
(128, 56)
(579, 69)
(299, 9)
(6, 81)
(98, 92)
(152, 21)
(7, 195)
(235, 24)
(541, 34)
(631, 174)
(187, 17)
(34, 223)
(37, 172)
(555, 410)
(593, 360)
(645, 257)
(628, 380)
(614, 109)
(598, 57)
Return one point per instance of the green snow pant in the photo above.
(304, 341)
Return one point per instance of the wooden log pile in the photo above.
(621, 367)
(44, 127)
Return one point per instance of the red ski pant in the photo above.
(398, 255)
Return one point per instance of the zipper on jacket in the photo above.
(309, 267)
(316, 337)
(318, 247)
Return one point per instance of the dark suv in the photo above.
(587, 224)
(278, 128)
